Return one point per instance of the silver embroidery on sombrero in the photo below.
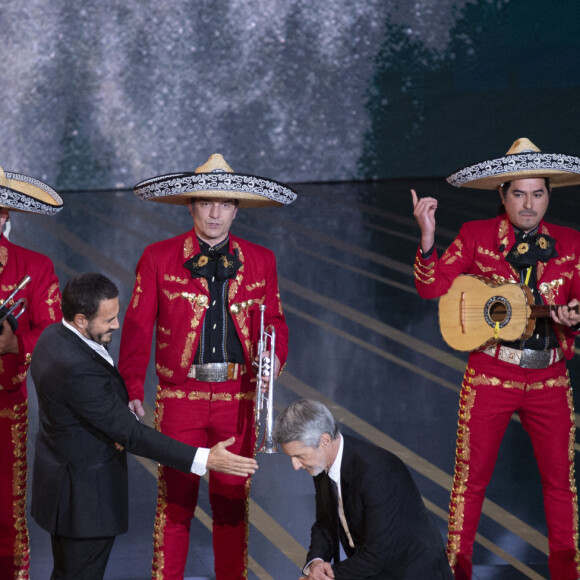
(226, 182)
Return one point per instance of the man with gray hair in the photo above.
(366, 500)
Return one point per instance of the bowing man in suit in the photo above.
(366, 501)
(79, 488)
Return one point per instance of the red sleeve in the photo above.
(434, 276)
(137, 333)
(42, 295)
(43, 309)
(274, 314)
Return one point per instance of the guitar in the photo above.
(477, 310)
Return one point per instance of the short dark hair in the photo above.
(83, 295)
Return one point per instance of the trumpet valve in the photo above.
(266, 366)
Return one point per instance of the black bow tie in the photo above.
(528, 249)
(209, 263)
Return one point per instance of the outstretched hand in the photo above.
(424, 212)
(222, 460)
(319, 570)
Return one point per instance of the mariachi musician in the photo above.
(32, 308)
(528, 376)
(202, 290)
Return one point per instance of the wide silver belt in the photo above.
(526, 358)
(216, 372)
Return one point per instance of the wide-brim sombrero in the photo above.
(524, 160)
(23, 193)
(215, 179)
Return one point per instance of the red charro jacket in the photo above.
(166, 296)
(42, 295)
(481, 248)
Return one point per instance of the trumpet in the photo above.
(10, 313)
(265, 367)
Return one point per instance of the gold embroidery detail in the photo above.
(160, 515)
(138, 290)
(427, 281)
(482, 379)
(237, 307)
(188, 247)
(489, 253)
(256, 285)
(177, 279)
(522, 248)
(425, 265)
(188, 353)
(20, 378)
(455, 247)
(461, 476)
(204, 395)
(563, 259)
(19, 430)
(163, 371)
(424, 272)
(546, 288)
(483, 268)
(53, 298)
(502, 232)
(3, 255)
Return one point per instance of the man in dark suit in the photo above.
(79, 488)
(366, 501)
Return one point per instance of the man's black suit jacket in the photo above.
(392, 531)
(79, 486)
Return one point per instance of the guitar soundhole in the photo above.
(497, 311)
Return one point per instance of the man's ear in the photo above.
(80, 320)
(325, 440)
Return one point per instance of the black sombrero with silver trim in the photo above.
(215, 178)
(524, 160)
(23, 193)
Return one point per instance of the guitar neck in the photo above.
(544, 310)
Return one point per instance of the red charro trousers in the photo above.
(492, 391)
(14, 549)
(202, 414)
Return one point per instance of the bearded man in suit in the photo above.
(79, 487)
(366, 502)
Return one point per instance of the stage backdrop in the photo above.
(102, 94)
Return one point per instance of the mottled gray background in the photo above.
(102, 94)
